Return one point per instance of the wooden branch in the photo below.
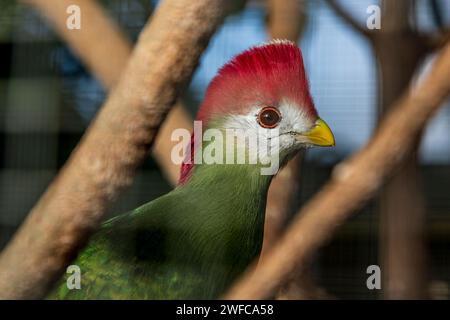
(396, 15)
(437, 40)
(402, 245)
(402, 205)
(302, 286)
(107, 60)
(348, 18)
(354, 182)
(118, 140)
(177, 118)
(286, 19)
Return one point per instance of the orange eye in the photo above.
(269, 117)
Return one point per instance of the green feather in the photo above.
(190, 243)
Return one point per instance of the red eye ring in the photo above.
(269, 117)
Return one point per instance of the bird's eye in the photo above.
(269, 117)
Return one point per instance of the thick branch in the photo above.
(354, 182)
(437, 40)
(286, 19)
(403, 254)
(107, 59)
(348, 18)
(116, 143)
(396, 15)
(178, 118)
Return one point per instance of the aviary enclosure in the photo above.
(92, 91)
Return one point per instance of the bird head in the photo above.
(264, 91)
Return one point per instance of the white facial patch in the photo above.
(273, 142)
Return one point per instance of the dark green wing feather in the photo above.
(130, 258)
(190, 243)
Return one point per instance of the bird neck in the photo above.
(234, 182)
(235, 191)
(231, 201)
(228, 220)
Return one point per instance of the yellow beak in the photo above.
(320, 135)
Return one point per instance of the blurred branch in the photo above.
(402, 208)
(403, 253)
(302, 287)
(107, 59)
(354, 182)
(178, 118)
(437, 40)
(117, 141)
(348, 18)
(286, 19)
(396, 15)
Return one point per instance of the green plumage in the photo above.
(189, 243)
